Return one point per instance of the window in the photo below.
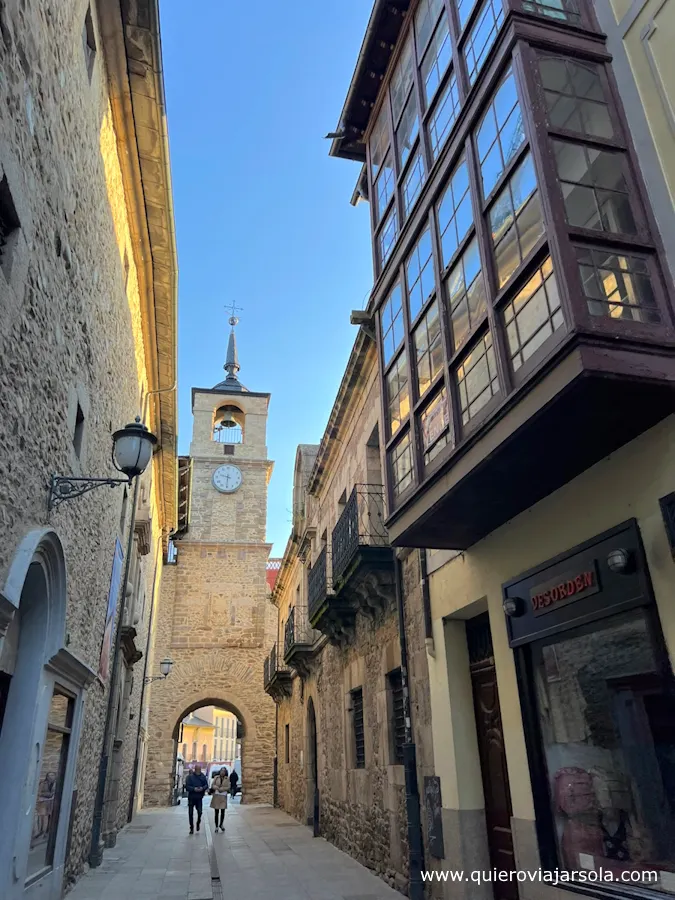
(435, 426)
(444, 116)
(50, 781)
(500, 134)
(455, 216)
(477, 379)
(466, 294)
(401, 465)
(605, 714)
(436, 60)
(419, 272)
(184, 751)
(482, 36)
(594, 188)
(574, 97)
(78, 433)
(9, 221)
(397, 716)
(194, 751)
(388, 236)
(204, 752)
(384, 187)
(428, 348)
(401, 80)
(426, 17)
(379, 142)
(89, 42)
(287, 743)
(359, 732)
(516, 221)
(407, 131)
(617, 285)
(398, 393)
(533, 315)
(464, 8)
(564, 10)
(391, 322)
(412, 183)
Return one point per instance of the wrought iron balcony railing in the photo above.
(319, 584)
(276, 677)
(297, 631)
(361, 524)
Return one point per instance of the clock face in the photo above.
(227, 479)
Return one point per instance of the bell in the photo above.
(227, 421)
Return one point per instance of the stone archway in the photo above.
(211, 678)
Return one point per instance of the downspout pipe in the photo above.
(412, 795)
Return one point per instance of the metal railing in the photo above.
(297, 629)
(233, 435)
(271, 666)
(360, 524)
(319, 583)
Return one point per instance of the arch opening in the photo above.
(228, 424)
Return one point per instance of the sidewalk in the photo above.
(263, 855)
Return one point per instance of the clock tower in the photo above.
(215, 620)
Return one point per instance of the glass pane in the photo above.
(464, 8)
(516, 221)
(407, 131)
(436, 60)
(428, 350)
(401, 465)
(54, 754)
(617, 286)
(412, 183)
(561, 10)
(420, 274)
(477, 381)
(455, 215)
(384, 186)
(500, 134)
(379, 141)
(482, 36)
(435, 426)
(533, 315)
(402, 80)
(575, 97)
(607, 724)
(466, 294)
(398, 393)
(444, 116)
(426, 17)
(391, 318)
(388, 236)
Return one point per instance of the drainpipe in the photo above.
(426, 605)
(130, 812)
(412, 795)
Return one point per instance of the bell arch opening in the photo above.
(228, 424)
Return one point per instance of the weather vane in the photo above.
(232, 309)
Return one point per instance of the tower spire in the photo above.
(231, 366)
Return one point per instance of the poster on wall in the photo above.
(108, 634)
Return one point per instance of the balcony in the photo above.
(276, 678)
(363, 560)
(299, 641)
(330, 615)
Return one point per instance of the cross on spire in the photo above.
(233, 309)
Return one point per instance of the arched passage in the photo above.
(312, 766)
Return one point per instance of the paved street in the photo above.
(264, 854)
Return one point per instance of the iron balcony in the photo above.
(276, 678)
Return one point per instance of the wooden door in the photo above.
(492, 756)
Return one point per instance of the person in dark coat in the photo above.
(234, 778)
(196, 785)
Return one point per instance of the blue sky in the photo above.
(262, 212)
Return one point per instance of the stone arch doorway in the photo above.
(312, 791)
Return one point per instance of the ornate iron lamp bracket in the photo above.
(64, 487)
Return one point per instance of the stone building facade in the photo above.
(214, 616)
(336, 671)
(87, 343)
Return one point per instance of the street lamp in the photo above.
(131, 453)
(164, 667)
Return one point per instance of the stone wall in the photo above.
(70, 330)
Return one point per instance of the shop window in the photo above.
(384, 186)
(500, 134)
(562, 10)
(516, 221)
(533, 315)
(464, 8)
(594, 188)
(412, 183)
(407, 131)
(54, 757)
(391, 322)
(467, 297)
(426, 16)
(607, 724)
(398, 393)
(455, 216)
(574, 97)
(397, 715)
(477, 380)
(401, 465)
(419, 271)
(444, 115)
(358, 729)
(387, 236)
(435, 426)
(436, 60)
(428, 348)
(402, 80)
(482, 36)
(617, 285)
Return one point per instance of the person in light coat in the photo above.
(219, 788)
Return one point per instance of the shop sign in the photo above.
(564, 588)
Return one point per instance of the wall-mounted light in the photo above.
(619, 560)
(512, 606)
(164, 667)
(131, 453)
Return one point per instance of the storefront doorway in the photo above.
(491, 752)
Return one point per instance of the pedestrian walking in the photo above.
(234, 778)
(196, 785)
(219, 789)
